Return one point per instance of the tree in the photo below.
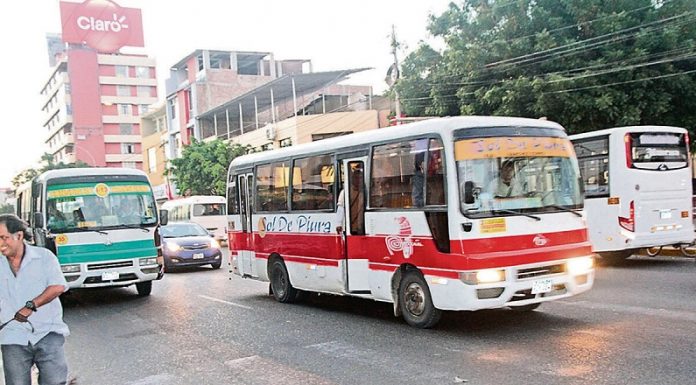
(587, 64)
(48, 164)
(202, 168)
(6, 208)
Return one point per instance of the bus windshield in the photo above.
(649, 149)
(100, 206)
(502, 176)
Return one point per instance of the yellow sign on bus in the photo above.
(510, 147)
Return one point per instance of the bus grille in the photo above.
(540, 271)
(109, 265)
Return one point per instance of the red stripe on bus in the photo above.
(470, 254)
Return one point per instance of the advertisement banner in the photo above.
(102, 25)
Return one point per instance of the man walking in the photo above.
(34, 332)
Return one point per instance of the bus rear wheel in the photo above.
(416, 303)
(144, 288)
(280, 282)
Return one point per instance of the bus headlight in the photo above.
(482, 276)
(148, 261)
(173, 247)
(580, 265)
(70, 268)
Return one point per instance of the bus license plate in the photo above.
(665, 214)
(109, 275)
(542, 286)
(198, 256)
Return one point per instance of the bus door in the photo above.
(354, 201)
(245, 254)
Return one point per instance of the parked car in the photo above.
(189, 244)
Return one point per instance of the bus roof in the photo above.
(88, 171)
(435, 125)
(622, 130)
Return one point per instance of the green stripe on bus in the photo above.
(97, 252)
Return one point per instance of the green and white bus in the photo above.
(101, 223)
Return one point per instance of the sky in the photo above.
(332, 34)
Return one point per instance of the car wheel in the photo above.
(416, 303)
(216, 265)
(144, 288)
(280, 283)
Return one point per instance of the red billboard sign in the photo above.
(102, 25)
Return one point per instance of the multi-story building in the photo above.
(155, 158)
(95, 94)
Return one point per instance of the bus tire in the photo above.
(526, 308)
(280, 282)
(610, 258)
(687, 249)
(144, 288)
(416, 302)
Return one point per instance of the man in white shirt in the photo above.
(31, 314)
(507, 185)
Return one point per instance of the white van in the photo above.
(209, 211)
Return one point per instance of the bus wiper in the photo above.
(496, 211)
(577, 214)
(141, 227)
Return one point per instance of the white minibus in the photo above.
(209, 211)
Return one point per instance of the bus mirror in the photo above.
(469, 192)
(38, 221)
(164, 217)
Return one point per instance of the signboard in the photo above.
(513, 147)
(101, 24)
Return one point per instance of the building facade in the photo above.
(95, 95)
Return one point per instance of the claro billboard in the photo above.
(102, 25)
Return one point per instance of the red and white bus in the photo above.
(424, 227)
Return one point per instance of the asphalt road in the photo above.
(199, 326)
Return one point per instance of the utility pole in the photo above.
(393, 76)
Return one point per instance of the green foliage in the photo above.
(587, 64)
(7, 209)
(202, 167)
(48, 164)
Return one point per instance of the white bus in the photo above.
(209, 211)
(637, 188)
(423, 228)
(100, 222)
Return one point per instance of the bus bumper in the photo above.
(122, 272)
(523, 285)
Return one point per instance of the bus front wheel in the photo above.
(416, 303)
(144, 288)
(280, 283)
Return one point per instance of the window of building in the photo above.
(287, 142)
(152, 159)
(313, 181)
(267, 147)
(122, 71)
(123, 90)
(127, 148)
(272, 185)
(142, 72)
(125, 109)
(171, 104)
(125, 129)
(199, 60)
(144, 91)
(129, 164)
(143, 109)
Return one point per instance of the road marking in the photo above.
(664, 313)
(225, 302)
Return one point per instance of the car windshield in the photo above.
(517, 175)
(182, 230)
(102, 206)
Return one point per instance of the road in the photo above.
(199, 326)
